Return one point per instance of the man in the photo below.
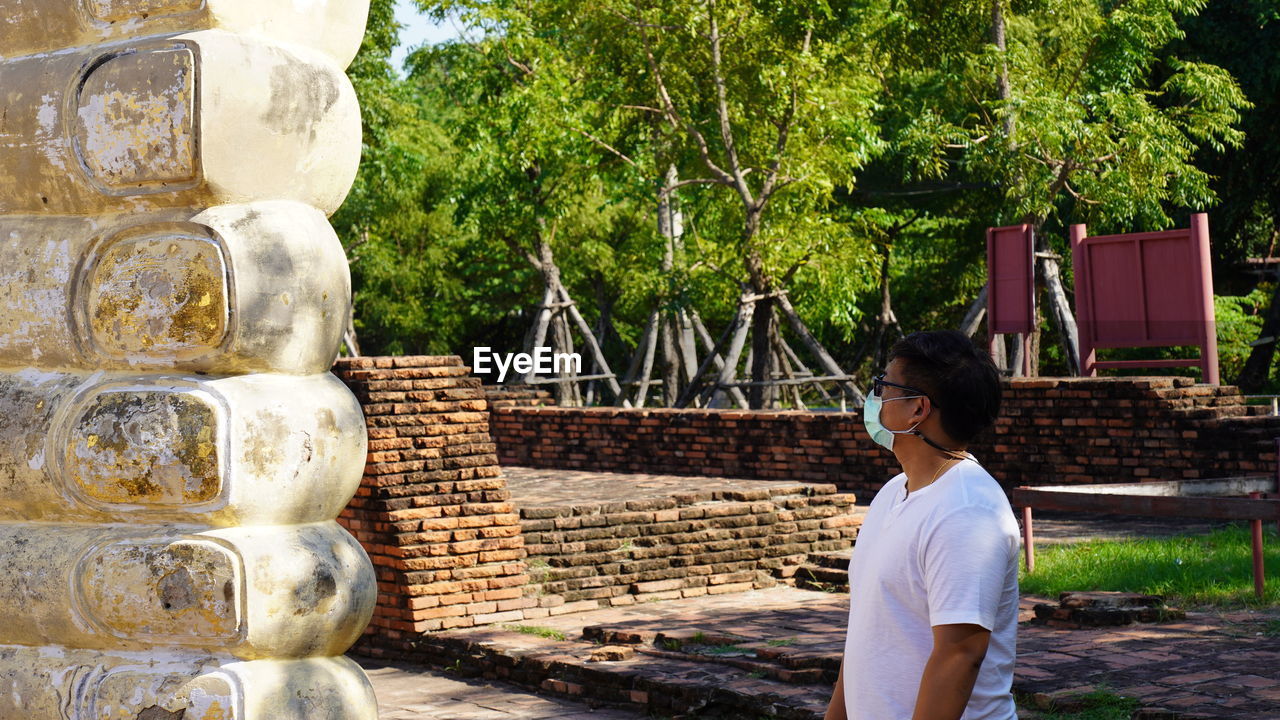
(934, 575)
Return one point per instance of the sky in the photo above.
(418, 29)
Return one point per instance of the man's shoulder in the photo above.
(975, 495)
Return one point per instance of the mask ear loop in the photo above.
(956, 454)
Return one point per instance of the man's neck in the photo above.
(922, 463)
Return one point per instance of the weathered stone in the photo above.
(168, 546)
(256, 592)
(170, 122)
(121, 686)
(242, 288)
(334, 27)
(266, 449)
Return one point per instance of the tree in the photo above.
(396, 223)
(527, 184)
(1068, 111)
(1244, 38)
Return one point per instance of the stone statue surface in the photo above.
(173, 449)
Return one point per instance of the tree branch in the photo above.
(601, 143)
(722, 108)
(673, 117)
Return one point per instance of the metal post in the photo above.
(1028, 540)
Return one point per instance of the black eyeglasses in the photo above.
(878, 384)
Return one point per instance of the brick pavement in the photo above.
(779, 648)
(409, 692)
(1213, 664)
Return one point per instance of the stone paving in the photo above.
(409, 692)
(781, 646)
(1213, 664)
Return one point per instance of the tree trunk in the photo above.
(1257, 368)
(973, 316)
(1064, 320)
(688, 346)
(670, 360)
(762, 396)
(561, 342)
(1002, 82)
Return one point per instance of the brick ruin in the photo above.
(458, 542)
(493, 507)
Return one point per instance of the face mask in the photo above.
(882, 435)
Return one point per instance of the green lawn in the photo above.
(1190, 570)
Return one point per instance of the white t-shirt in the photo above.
(947, 554)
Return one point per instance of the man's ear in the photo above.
(923, 410)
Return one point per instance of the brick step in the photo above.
(1216, 411)
(656, 681)
(1194, 390)
(816, 577)
(836, 559)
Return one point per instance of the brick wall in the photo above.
(705, 538)
(433, 510)
(1053, 431)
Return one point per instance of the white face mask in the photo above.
(882, 435)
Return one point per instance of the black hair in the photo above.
(959, 378)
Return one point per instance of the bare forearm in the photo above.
(946, 684)
(836, 710)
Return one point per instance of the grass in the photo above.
(1097, 705)
(1213, 570)
(538, 630)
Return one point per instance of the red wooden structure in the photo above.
(1011, 295)
(1145, 290)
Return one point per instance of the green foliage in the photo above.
(396, 223)
(558, 119)
(1189, 570)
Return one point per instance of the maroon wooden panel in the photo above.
(1145, 290)
(1010, 279)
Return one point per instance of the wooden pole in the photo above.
(1259, 566)
(714, 351)
(646, 370)
(973, 316)
(1028, 540)
(825, 360)
(742, 324)
(637, 356)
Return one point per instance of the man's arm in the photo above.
(951, 671)
(836, 710)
